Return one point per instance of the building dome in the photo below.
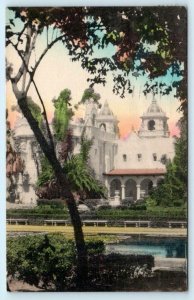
(154, 122)
(154, 110)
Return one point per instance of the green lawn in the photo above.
(94, 230)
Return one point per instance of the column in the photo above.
(138, 191)
(154, 183)
(108, 187)
(122, 191)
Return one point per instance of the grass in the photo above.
(94, 231)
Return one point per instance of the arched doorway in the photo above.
(130, 190)
(146, 186)
(115, 185)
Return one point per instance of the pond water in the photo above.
(165, 247)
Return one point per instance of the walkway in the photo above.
(92, 230)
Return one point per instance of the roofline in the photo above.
(134, 174)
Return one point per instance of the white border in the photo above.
(108, 295)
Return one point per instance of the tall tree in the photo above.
(147, 40)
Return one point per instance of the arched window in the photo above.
(115, 185)
(151, 125)
(139, 156)
(103, 127)
(154, 156)
(124, 157)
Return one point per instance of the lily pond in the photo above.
(164, 247)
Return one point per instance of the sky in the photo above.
(57, 72)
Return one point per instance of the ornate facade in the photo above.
(129, 168)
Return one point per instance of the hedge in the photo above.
(49, 262)
(111, 214)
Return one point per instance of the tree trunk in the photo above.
(82, 265)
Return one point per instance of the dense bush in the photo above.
(102, 207)
(54, 203)
(116, 271)
(138, 206)
(44, 261)
(40, 213)
(95, 247)
(157, 213)
(47, 261)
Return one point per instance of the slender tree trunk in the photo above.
(82, 265)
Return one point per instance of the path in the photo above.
(91, 230)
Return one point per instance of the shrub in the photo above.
(114, 271)
(47, 261)
(54, 203)
(95, 247)
(122, 207)
(178, 203)
(103, 207)
(138, 206)
(43, 261)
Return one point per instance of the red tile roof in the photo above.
(136, 172)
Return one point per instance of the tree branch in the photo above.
(14, 84)
(45, 51)
(29, 48)
(45, 116)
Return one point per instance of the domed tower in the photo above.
(106, 121)
(154, 122)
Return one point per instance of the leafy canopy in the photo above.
(145, 41)
(62, 114)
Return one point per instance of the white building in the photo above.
(129, 168)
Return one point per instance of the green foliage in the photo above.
(35, 110)
(150, 202)
(173, 190)
(144, 40)
(154, 213)
(95, 246)
(81, 178)
(46, 172)
(54, 203)
(62, 115)
(115, 272)
(47, 261)
(38, 214)
(42, 260)
(79, 174)
(90, 94)
(86, 145)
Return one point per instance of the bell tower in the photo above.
(154, 122)
(106, 121)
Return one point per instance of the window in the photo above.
(154, 156)
(124, 157)
(151, 125)
(103, 127)
(139, 156)
(96, 151)
(164, 159)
